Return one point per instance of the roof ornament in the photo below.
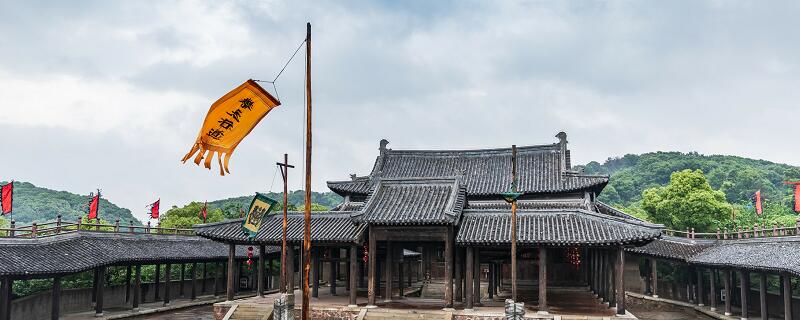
(384, 143)
(353, 177)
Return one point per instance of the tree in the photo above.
(688, 201)
(189, 215)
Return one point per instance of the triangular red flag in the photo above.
(757, 199)
(204, 211)
(94, 206)
(154, 209)
(797, 198)
(7, 197)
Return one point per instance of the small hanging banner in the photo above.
(757, 200)
(7, 197)
(797, 198)
(94, 206)
(259, 208)
(228, 121)
(154, 209)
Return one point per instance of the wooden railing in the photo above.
(757, 231)
(36, 230)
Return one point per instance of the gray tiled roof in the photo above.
(414, 201)
(485, 172)
(526, 204)
(334, 226)
(611, 211)
(80, 251)
(670, 247)
(552, 227)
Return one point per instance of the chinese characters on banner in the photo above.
(259, 208)
(229, 120)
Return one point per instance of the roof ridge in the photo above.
(538, 147)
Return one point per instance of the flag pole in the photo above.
(285, 174)
(514, 224)
(307, 233)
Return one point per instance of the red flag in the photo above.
(204, 212)
(94, 205)
(154, 209)
(797, 198)
(7, 197)
(757, 200)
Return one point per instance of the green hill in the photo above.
(738, 177)
(319, 200)
(32, 203)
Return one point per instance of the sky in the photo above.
(111, 94)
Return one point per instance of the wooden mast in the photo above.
(285, 174)
(307, 234)
(514, 224)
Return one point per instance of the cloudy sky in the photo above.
(105, 94)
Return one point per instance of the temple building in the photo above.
(434, 224)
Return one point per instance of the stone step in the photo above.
(397, 315)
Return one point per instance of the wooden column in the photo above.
(448, 268)
(55, 300)
(744, 289)
(700, 297)
(543, 280)
(400, 288)
(194, 281)
(388, 264)
(762, 286)
(612, 278)
(231, 269)
(218, 278)
(94, 286)
(101, 283)
(183, 276)
(260, 273)
(353, 276)
(491, 281)
(654, 276)
(128, 284)
(470, 270)
(787, 296)
(167, 284)
(7, 294)
(727, 283)
(334, 266)
(713, 287)
(476, 283)
(157, 282)
(315, 267)
(290, 270)
(371, 269)
(137, 288)
(268, 282)
(603, 276)
(458, 293)
(205, 275)
(620, 281)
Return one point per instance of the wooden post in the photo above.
(400, 288)
(180, 283)
(101, 283)
(290, 283)
(285, 174)
(218, 278)
(371, 283)
(654, 276)
(728, 298)
(514, 226)
(744, 289)
(194, 281)
(476, 276)
(762, 286)
(260, 273)
(315, 273)
(620, 280)
(334, 266)
(55, 300)
(167, 284)
(612, 278)
(713, 288)
(204, 277)
(448, 268)
(307, 234)
(231, 269)
(470, 271)
(7, 294)
(421, 269)
(491, 281)
(700, 297)
(157, 282)
(128, 284)
(95, 276)
(137, 288)
(787, 296)
(353, 276)
(543, 280)
(388, 265)
(458, 293)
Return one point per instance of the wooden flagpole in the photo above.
(307, 234)
(285, 174)
(514, 225)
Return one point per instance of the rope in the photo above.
(282, 69)
(273, 179)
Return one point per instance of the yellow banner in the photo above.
(228, 121)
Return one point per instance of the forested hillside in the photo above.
(319, 200)
(737, 177)
(32, 203)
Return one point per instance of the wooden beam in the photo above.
(101, 283)
(787, 296)
(55, 301)
(543, 280)
(448, 268)
(371, 286)
(468, 287)
(167, 284)
(620, 281)
(231, 269)
(353, 276)
(137, 288)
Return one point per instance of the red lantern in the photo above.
(366, 254)
(249, 258)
